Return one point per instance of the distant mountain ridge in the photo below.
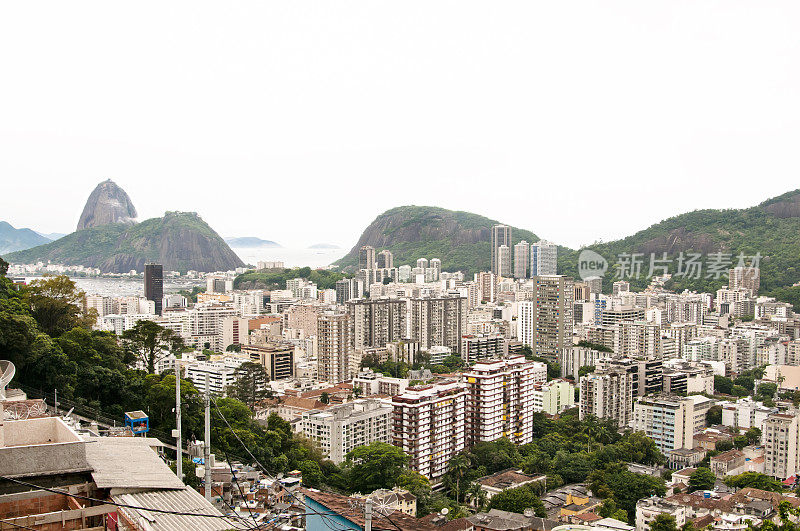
(771, 229)
(13, 239)
(250, 242)
(461, 240)
(180, 241)
(109, 239)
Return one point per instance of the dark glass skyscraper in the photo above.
(154, 284)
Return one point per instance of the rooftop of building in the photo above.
(508, 478)
(342, 505)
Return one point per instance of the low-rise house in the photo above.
(728, 463)
(685, 457)
(497, 520)
(648, 509)
(508, 479)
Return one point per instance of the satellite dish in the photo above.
(7, 371)
(444, 511)
(384, 502)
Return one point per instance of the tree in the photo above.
(714, 415)
(516, 500)
(625, 487)
(374, 466)
(151, 343)
(586, 369)
(251, 385)
(233, 347)
(723, 385)
(740, 391)
(476, 496)
(325, 398)
(702, 479)
(754, 480)
(664, 522)
(753, 435)
(458, 466)
(58, 305)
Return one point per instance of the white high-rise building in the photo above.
(522, 259)
(429, 424)
(607, 395)
(781, 445)
(545, 323)
(671, 420)
(339, 429)
(544, 258)
(500, 402)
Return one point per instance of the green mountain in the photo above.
(12, 239)
(180, 241)
(461, 240)
(771, 228)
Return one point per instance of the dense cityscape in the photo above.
(407, 396)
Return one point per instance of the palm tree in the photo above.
(458, 466)
(476, 495)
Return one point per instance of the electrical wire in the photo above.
(324, 519)
(18, 526)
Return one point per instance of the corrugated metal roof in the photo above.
(186, 500)
(128, 462)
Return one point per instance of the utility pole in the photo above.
(178, 434)
(207, 445)
(55, 402)
(368, 514)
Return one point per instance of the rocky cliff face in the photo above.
(107, 204)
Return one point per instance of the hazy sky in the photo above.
(301, 121)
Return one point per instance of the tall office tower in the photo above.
(366, 257)
(504, 261)
(501, 235)
(544, 258)
(385, 259)
(404, 273)
(487, 284)
(422, 263)
(522, 258)
(439, 322)
(375, 322)
(500, 399)
(154, 285)
(545, 323)
(748, 278)
(429, 426)
(436, 265)
(781, 445)
(333, 345)
(607, 395)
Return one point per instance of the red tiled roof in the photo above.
(341, 505)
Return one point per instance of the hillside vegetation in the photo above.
(180, 241)
(459, 239)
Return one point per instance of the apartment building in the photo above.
(607, 394)
(545, 321)
(781, 446)
(500, 399)
(671, 421)
(573, 358)
(221, 374)
(276, 358)
(647, 374)
(429, 426)
(544, 258)
(333, 346)
(746, 413)
(376, 322)
(339, 429)
(479, 347)
(522, 258)
(553, 397)
(439, 321)
(501, 235)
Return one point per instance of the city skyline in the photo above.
(292, 101)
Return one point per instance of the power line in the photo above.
(19, 526)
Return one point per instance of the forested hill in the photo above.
(771, 228)
(459, 239)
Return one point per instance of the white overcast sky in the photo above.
(301, 121)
